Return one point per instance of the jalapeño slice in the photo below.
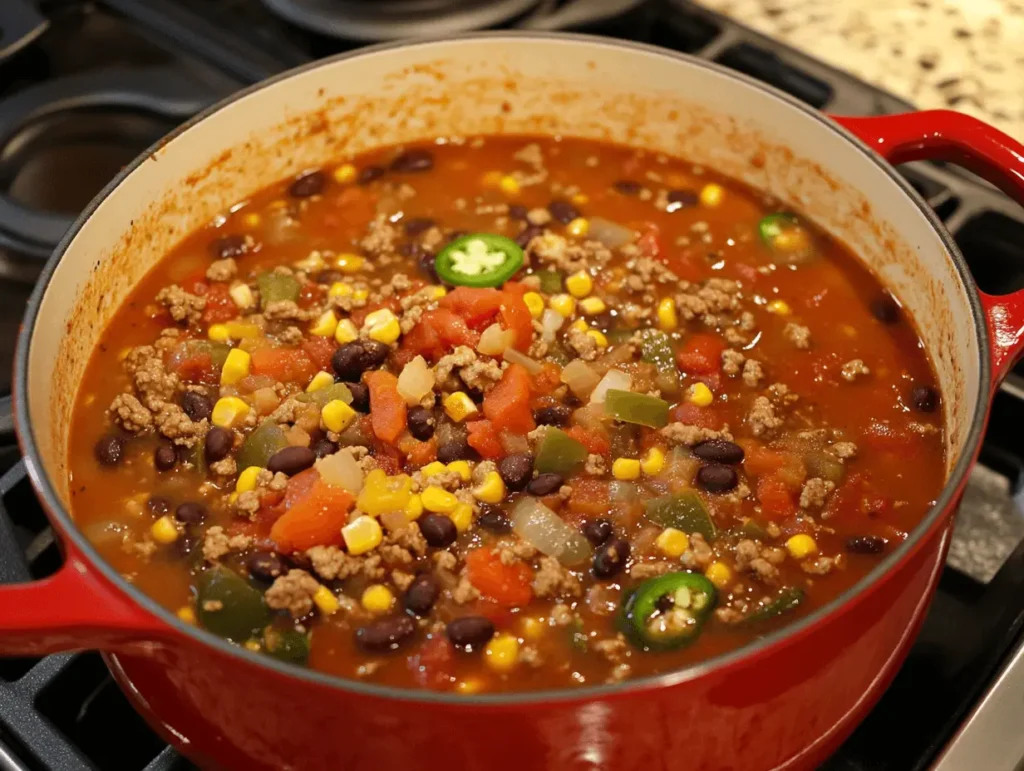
(479, 260)
(667, 612)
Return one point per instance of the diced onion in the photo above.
(415, 381)
(394, 520)
(613, 378)
(611, 234)
(580, 378)
(514, 443)
(512, 356)
(495, 340)
(550, 321)
(341, 470)
(539, 526)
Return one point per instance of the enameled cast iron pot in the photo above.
(785, 702)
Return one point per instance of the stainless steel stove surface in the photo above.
(95, 82)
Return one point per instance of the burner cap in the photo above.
(375, 20)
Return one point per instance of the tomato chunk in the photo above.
(219, 305)
(283, 364)
(507, 405)
(508, 585)
(516, 316)
(319, 350)
(387, 407)
(437, 332)
(485, 440)
(775, 497)
(313, 519)
(701, 354)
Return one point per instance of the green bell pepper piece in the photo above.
(559, 453)
(275, 287)
(260, 445)
(550, 281)
(783, 234)
(821, 464)
(321, 396)
(288, 645)
(641, 409)
(228, 606)
(684, 511)
(479, 260)
(667, 612)
(656, 349)
(787, 599)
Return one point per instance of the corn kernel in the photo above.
(578, 228)
(252, 645)
(349, 263)
(325, 600)
(240, 330)
(699, 395)
(712, 195)
(469, 685)
(626, 469)
(414, 508)
(346, 332)
(579, 284)
(653, 462)
(186, 614)
(163, 530)
(509, 185)
(362, 534)
(535, 303)
(344, 174)
(580, 326)
(438, 500)
(672, 542)
(382, 326)
(462, 517)
(580, 199)
(591, 306)
(242, 296)
(563, 304)
(339, 289)
(236, 366)
(501, 652)
(320, 380)
(533, 628)
(458, 406)
(251, 220)
(247, 479)
(491, 490)
(599, 338)
(719, 574)
(780, 307)
(377, 599)
(801, 545)
(433, 469)
(228, 412)
(436, 292)
(492, 178)
(359, 295)
(461, 467)
(218, 333)
(325, 325)
(337, 415)
(668, 320)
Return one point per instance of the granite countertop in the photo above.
(966, 55)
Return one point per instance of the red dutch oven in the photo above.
(786, 701)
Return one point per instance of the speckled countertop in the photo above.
(963, 54)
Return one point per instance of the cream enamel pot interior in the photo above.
(785, 702)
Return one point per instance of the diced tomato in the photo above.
(692, 415)
(485, 440)
(701, 354)
(298, 488)
(507, 405)
(589, 497)
(418, 453)
(219, 305)
(477, 307)
(437, 332)
(387, 407)
(759, 460)
(315, 519)
(310, 294)
(319, 350)
(357, 203)
(198, 369)
(283, 364)
(775, 498)
(547, 380)
(649, 242)
(857, 498)
(500, 615)
(387, 458)
(516, 317)
(507, 585)
(433, 664)
(593, 439)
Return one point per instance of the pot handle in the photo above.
(945, 135)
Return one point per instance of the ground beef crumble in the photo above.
(217, 543)
(753, 373)
(815, 493)
(854, 369)
(762, 418)
(332, 563)
(553, 580)
(292, 592)
(798, 335)
(128, 413)
(183, 306)
(682, 433)
(222, 270)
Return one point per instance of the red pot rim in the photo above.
(942, 507)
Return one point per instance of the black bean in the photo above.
(885, 309)
(421, 423)
(628, 187)
(516, 211)
(165, 457)
(308, 184)
(264, 565)
(438, 530)
(324, 447)
(291, 460)
(422, 594)
(109, 450)
(385, 634)
(611, 558)
(233, 246)
(563, 211)
(417, 159)
(351, 360)
(470, 631)
(516, 470)
(865, 544)
(456, 449)
(716, 478)
(416, 225)
(527, 234)
(719, 451)
(369, 173)
(219, 442)
(190, 513)
(553, 416)
(924, 398)
(494, 519)
(597, 531)
(682, 199)
(545, 484)
(158, 505)
(196, 406)
(360, 397)
(327, 277)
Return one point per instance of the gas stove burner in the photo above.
(375, 20)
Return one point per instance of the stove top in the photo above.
(89, 84)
